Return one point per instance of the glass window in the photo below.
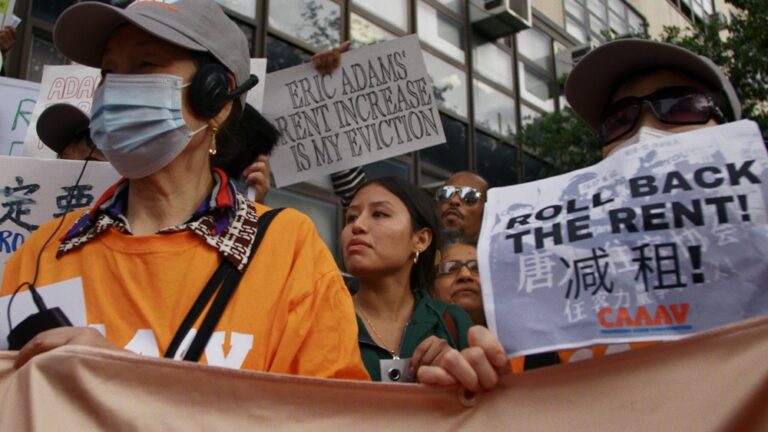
(528, 114)
(496, 161)
(322, 213)
(394, 12)
(635, 22)
(243, 7)
(451, 156)
(493, 62)
(43, 53)
(49, 10)
(494, 110)
(363, 32)
(281, 55)
(617, 6)
(448, 83)
(313, 21)
(533, 168)
(575, 29)
(597, 8)
(250, 34)
(386, 167)
(575, 8)
(603, 14)
(536, 89)
(536, 46)
(454, 5)
(441, 31)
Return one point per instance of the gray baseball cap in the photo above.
(595, 77)
(59, 124)
(83, 30)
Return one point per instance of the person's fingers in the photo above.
(480, 336)
(459, 368)
(435, 351)
(256, 179)
(434, 375)
(486, 374)
(419, 352)
(255, 167)
(344, 47)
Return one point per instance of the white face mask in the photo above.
(643, 134)
(136, 122)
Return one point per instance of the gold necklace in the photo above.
(394, 353)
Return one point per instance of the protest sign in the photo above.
(15, 113)
(663, 239)
(35, 191)
(72, 84)
(378, 104)
(6, 13)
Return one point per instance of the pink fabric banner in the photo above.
(714, 381)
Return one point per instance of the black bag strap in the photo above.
(226, 277)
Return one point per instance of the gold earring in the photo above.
(416, 257)
(212, 149)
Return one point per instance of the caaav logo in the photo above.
(644, 319)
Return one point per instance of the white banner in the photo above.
(378, 104)
(35, 191)
(661, 240)
(19, 99)
(72, 84)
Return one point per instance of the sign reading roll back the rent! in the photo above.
(377, 104)
(661, 240)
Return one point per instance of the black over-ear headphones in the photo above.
(209, 90)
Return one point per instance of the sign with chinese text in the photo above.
(34, 191)
(663, 239)
(72, 84)
(19, 99)
(378, 104)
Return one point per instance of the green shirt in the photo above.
(427, 320)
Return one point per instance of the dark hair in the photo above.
(452, 237)
(250, 137)
(421, 207)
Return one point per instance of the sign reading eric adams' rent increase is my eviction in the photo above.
(377, 104)
(662, 239)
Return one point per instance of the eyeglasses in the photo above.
(673, 105)
(467, 194)
(449, 267)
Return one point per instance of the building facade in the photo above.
(486, 88)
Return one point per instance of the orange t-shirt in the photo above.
(291, 313)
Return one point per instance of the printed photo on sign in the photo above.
(35, 191)
(19, 99)
(661, 240)
(377, 104)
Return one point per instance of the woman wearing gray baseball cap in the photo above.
(174, 236)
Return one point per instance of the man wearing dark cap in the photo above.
(632, 90)
(64, 129)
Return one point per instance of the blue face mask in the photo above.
(136, 121)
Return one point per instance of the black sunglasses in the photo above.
(673, 105)
(448, 267)
(467, 194)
